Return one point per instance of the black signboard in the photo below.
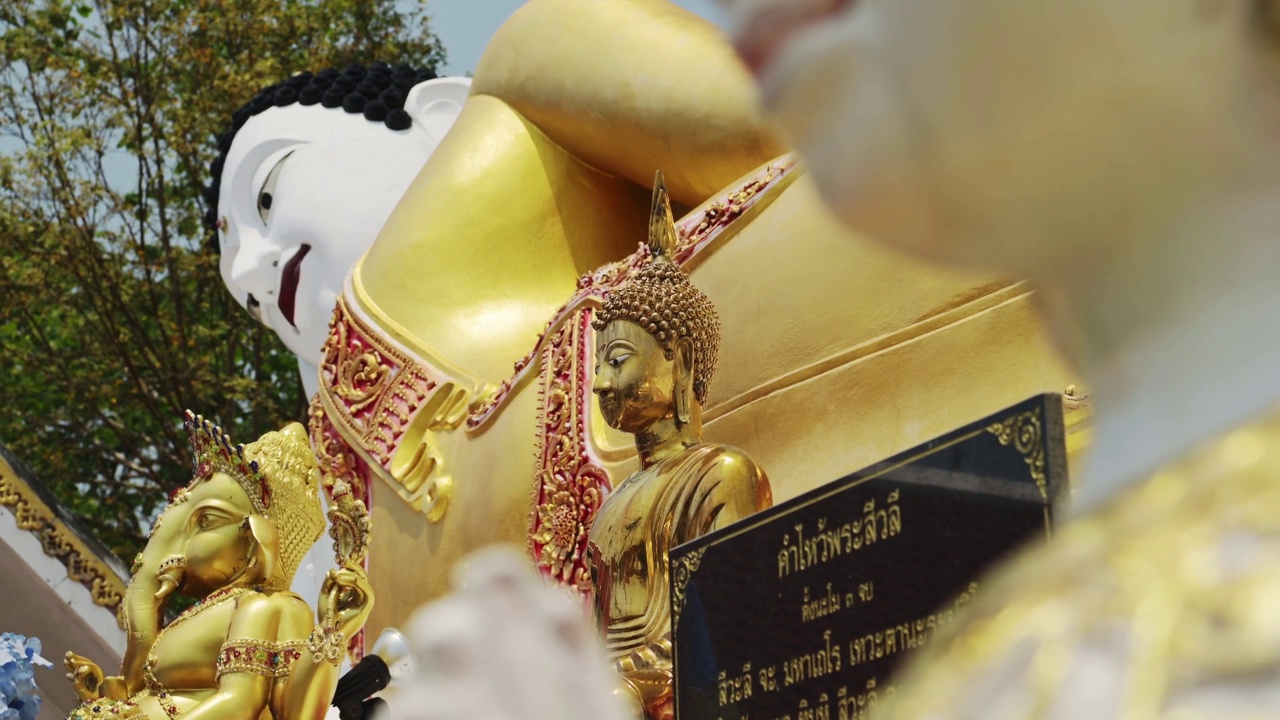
(803, 611)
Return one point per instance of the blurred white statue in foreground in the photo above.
(1123, 156)
(505, 646)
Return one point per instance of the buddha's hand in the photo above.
(85, 675)
(345, 599)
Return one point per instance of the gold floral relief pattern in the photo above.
(569, 484)
(375, 388)
(337, 460)
(698, 229)
(340, 464)
(1023, 432)
(60, 542)
(682, 571)
(369, 394)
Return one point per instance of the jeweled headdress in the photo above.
(278, 472)
(660, 298)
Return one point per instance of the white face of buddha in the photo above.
(305, 191)
(965, 129)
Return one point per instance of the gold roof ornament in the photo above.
(660, 298)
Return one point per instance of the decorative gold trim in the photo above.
(378, 400)
(706, 224)
(375, 388)
(1023, 431)
(348, 525)
(258, 657)
(682, 571)
(60, 542)
(569, 484)
(327, 644)
(335, 456)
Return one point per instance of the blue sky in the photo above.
(465, 26)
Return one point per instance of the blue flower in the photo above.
(19, 696)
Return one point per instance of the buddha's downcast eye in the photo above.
(266, 194)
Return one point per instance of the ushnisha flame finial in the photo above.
(662, 223)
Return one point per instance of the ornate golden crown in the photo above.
(278, 472)
(212, 451)
(660, 298)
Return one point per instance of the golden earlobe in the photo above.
(264, 548)
(684, 396)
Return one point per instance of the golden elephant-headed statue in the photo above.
(454, 388)
(233, 538)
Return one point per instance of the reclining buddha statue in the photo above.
(233, 538)
(453, 391)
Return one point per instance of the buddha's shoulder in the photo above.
(1162, 598)
(725, 474)
(723, 461)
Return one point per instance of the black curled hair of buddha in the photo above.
(378, 92)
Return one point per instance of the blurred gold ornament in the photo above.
(1168, 595)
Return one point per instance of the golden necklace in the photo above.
(153, 686)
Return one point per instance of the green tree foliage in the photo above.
(113, 318)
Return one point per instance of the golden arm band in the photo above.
(269, 659)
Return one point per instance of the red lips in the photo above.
(289, 284)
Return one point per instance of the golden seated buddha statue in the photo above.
(656, 348)
(248, 648)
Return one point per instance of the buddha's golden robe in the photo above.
(703, 488)
(1164, 604)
